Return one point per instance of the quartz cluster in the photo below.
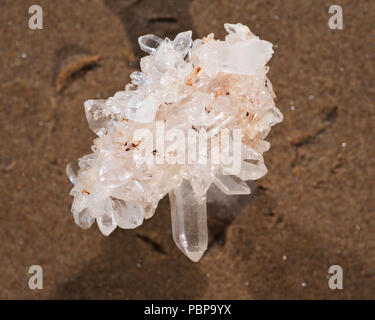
(206, 85)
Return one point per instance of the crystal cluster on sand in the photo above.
(205, 85)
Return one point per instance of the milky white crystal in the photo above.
(205, 84)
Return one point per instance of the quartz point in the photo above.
(150, 209)
(128, 214)
(231, 185)
(149, 43)
(106, 223)
(96, 116)
(252, 170)
(183, 42)
(205, 86)
(189, 221)
(72, 171)
(139, 78)
(84, 218)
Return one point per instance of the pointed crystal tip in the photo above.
(189, 221)
(149, 43)
(194, 256)
(182, 43)
(231, 185)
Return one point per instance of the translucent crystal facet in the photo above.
(231, 185)
(189, 221)
(139, 78)
(183, 42)
(96, 116)
(114, 170)
(237, 29)
(245, 57)
(149, 43)
(72, 171)
(150, 209)
(106, 223)
(187, 95)
(84, 218)
(128, 214)
(252, 170)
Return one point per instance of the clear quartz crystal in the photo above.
(96, 116)
(203, 86)
(149, 43)
(231, 185)
(182, 43)
(72, 171)
(252, 170)
(84, 218)
(106, 223)
(189, 221)
(150, 209)
(128, 214)
(139, 78)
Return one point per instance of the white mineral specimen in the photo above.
(206, 85)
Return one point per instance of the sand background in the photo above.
(314, 208)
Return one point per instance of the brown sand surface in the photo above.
(314, 208)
